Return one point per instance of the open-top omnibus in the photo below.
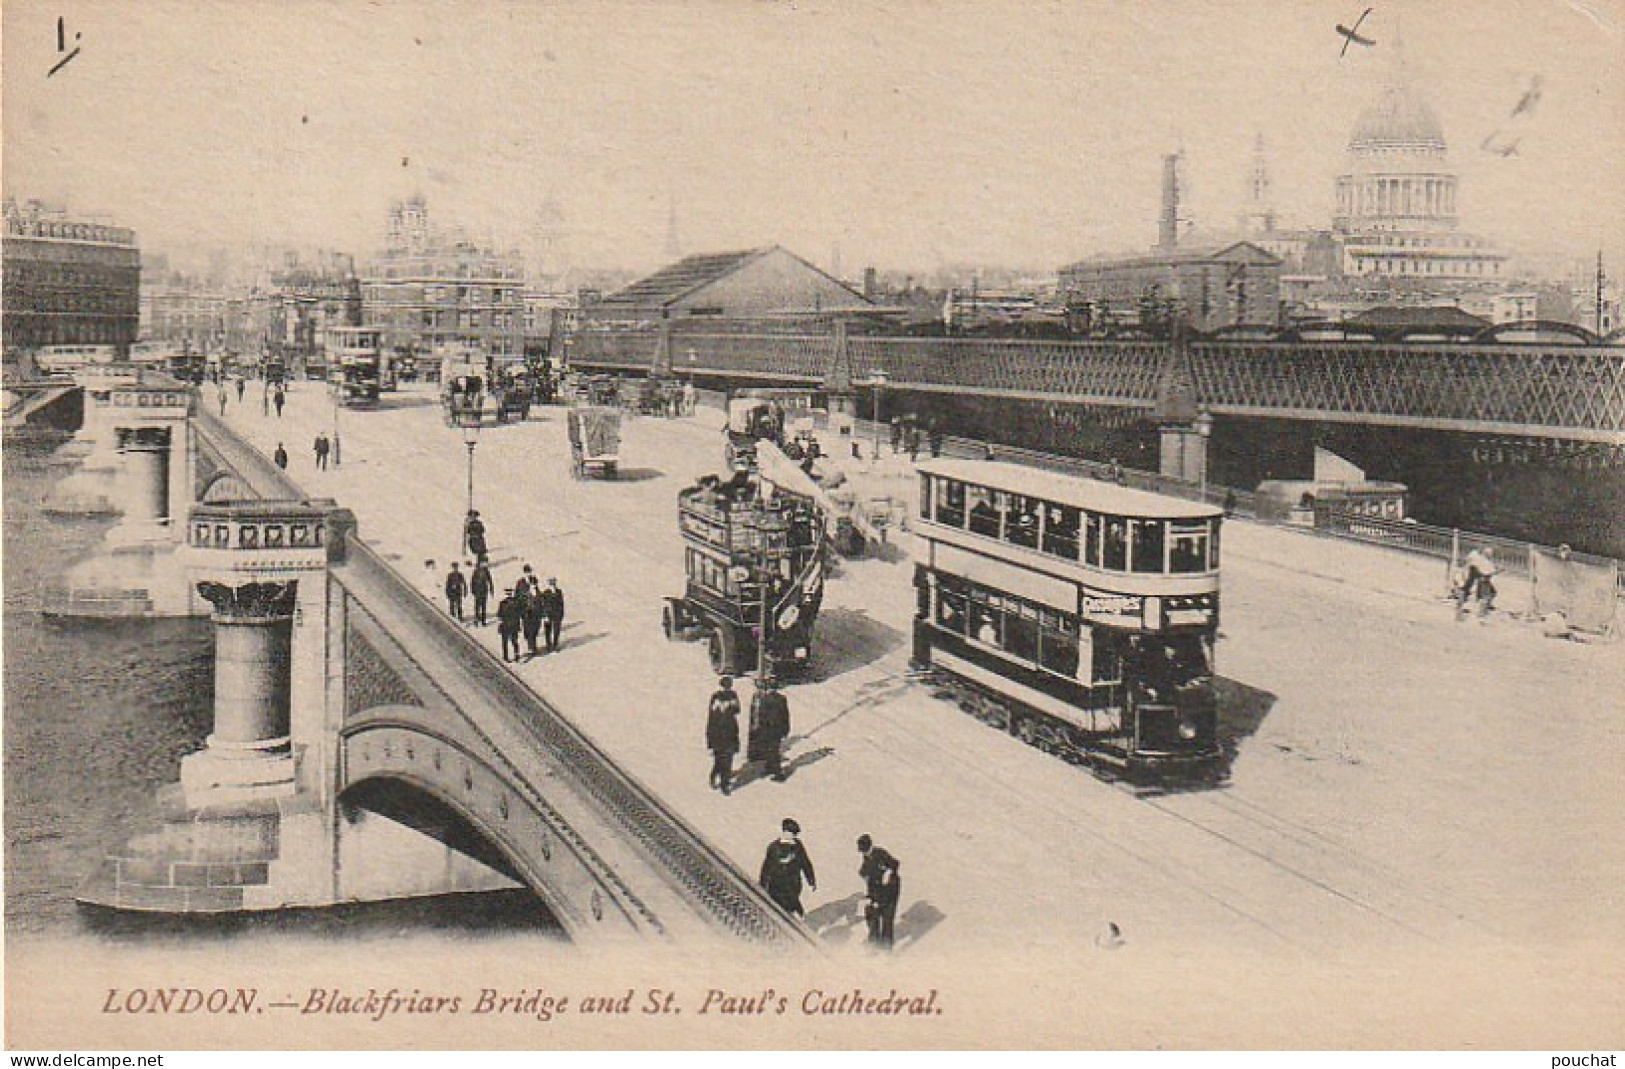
(1078, 615)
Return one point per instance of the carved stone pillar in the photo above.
(248, 751)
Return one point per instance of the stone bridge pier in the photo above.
(138, 569)
(94, 489)
(255, 821)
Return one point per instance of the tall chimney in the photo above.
(1168, 224)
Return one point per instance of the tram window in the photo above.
(1148, 546)
(984, 518)
(1188, 549)
(1061, 531)
(1021, 634)
(925, 496)
(1114, 548)
(950, 503)
(1213, 548)
(1091, 548)
(1057, 646)
(1107, 663)
(951, 610)
(984, 625)
(1021, 521)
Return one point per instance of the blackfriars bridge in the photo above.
(363, 746)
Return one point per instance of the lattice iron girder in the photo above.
(1569, 391)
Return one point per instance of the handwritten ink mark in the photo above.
(62, 46)
(1352, 36)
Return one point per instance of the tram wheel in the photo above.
(720, 648)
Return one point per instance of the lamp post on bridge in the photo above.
(1204, 429)
(877, 380)
(471, 438)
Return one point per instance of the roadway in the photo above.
(1403, 782)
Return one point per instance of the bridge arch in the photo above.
(1508, 332)
(226, 486)
(393, 743)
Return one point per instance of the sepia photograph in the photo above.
(777, 525)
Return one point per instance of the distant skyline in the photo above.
(906, 135)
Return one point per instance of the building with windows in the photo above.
(432, 288)
(68, 282)
(1234, 285)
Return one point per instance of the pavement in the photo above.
(1403, 781)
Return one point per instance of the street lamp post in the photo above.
(1204, 428)
(877, 380)
(471, 438)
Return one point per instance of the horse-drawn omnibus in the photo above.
(1078, 615)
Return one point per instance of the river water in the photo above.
(98, 715)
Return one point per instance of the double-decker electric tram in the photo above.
(1078, 615)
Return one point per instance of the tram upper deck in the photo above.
(1073, 527)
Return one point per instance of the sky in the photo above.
(906, 135)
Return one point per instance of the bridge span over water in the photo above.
(366, 747)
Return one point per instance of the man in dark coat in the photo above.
(882, 887)
(474, 535)
(552, 599)
(480, 584)
(532, 615)
(784, 866)
(510, 613)
(321, 448)
(456, 587)
(769, 727)
(722, 734)
(280, 457)
(279, 399)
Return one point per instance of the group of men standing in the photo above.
(787, 863)
(769, 727)
(532, 610)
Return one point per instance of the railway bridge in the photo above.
(364, 747)
(1561, 392)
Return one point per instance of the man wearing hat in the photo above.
(769, 727)
(882, 888)
(784, 866)
(722, 734)
(510, 617)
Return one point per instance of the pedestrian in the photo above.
(279, 399)
(913, 444)
(722, 734)
(265, 398)
(474, 534)
(783, 867)
(322, 446)
(532, 615)
(242, 385)
(480, 584)
(456, 587)
(769, 727)
(281, 457)
(552, 599)
(1480, 571)
(896, 434)
(222, 394)
(882, 887)
(936, 441)
(510, 615)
